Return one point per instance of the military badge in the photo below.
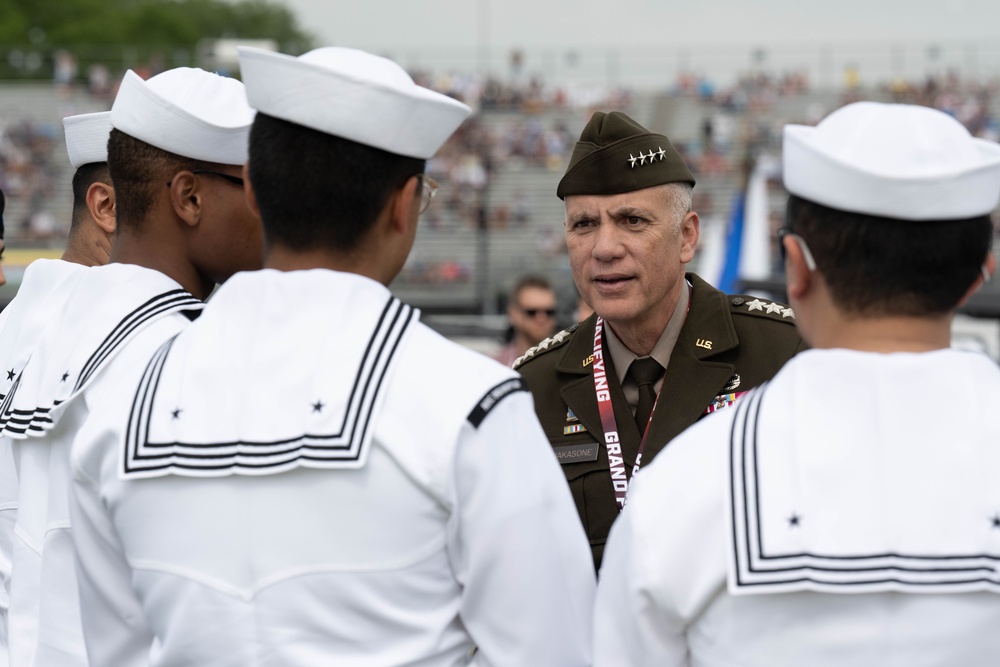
(722, 401)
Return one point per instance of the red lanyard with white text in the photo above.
(619, 480)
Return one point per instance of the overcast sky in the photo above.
(378, 24)
(708, 33)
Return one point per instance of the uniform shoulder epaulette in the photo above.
(551, 343)
(750, 305)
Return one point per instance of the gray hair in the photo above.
(679, 196)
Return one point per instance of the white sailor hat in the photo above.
(186, 111)
(87, 137)
(351, 94)
(893, 160)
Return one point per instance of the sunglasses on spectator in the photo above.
(534, 312)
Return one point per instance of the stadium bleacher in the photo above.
(496, 216)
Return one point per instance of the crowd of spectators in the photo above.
(969, 101)
(527, 125)
(27, 178)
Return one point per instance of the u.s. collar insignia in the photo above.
(733, 383)
(589, 360)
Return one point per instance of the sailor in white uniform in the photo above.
(8, 501)
(848, 512)
(308, 475)
(43, 293)
(176, 141)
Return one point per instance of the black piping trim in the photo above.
(389, 330)
(744, 434)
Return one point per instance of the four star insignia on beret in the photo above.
(652, 157)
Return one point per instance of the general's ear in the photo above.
(690, 231)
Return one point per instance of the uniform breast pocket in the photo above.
(586, 470)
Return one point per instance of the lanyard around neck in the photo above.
(616, 463)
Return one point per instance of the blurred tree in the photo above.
(124, 33)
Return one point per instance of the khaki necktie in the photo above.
(645, 372)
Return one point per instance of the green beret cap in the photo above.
(615, 154)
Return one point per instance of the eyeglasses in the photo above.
(534, 312)
(806, 253)
(235, 180)
(430, 188)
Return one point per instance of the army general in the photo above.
(663, 347)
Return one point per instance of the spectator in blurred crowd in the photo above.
(531, 314)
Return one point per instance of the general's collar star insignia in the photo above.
(662, 153)
(642, 158)
(788, 312)
(10, 374)
(794, 520)
(318, 406)
(632, 160)
(65, 376)
(756, 304)
(176, 413)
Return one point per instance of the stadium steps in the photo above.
(44, 107)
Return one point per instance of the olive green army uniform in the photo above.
(727, 345)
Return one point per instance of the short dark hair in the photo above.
(85, 176)
(137, 170)
(529, 281)
(877, 266)
(318, 190)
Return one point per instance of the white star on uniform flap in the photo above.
(756, 304)
(661, 153)
(632, 160)
(651, 156)
(774, 307)
(642, 158)
(788, 312)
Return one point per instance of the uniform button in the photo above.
(737, 301)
